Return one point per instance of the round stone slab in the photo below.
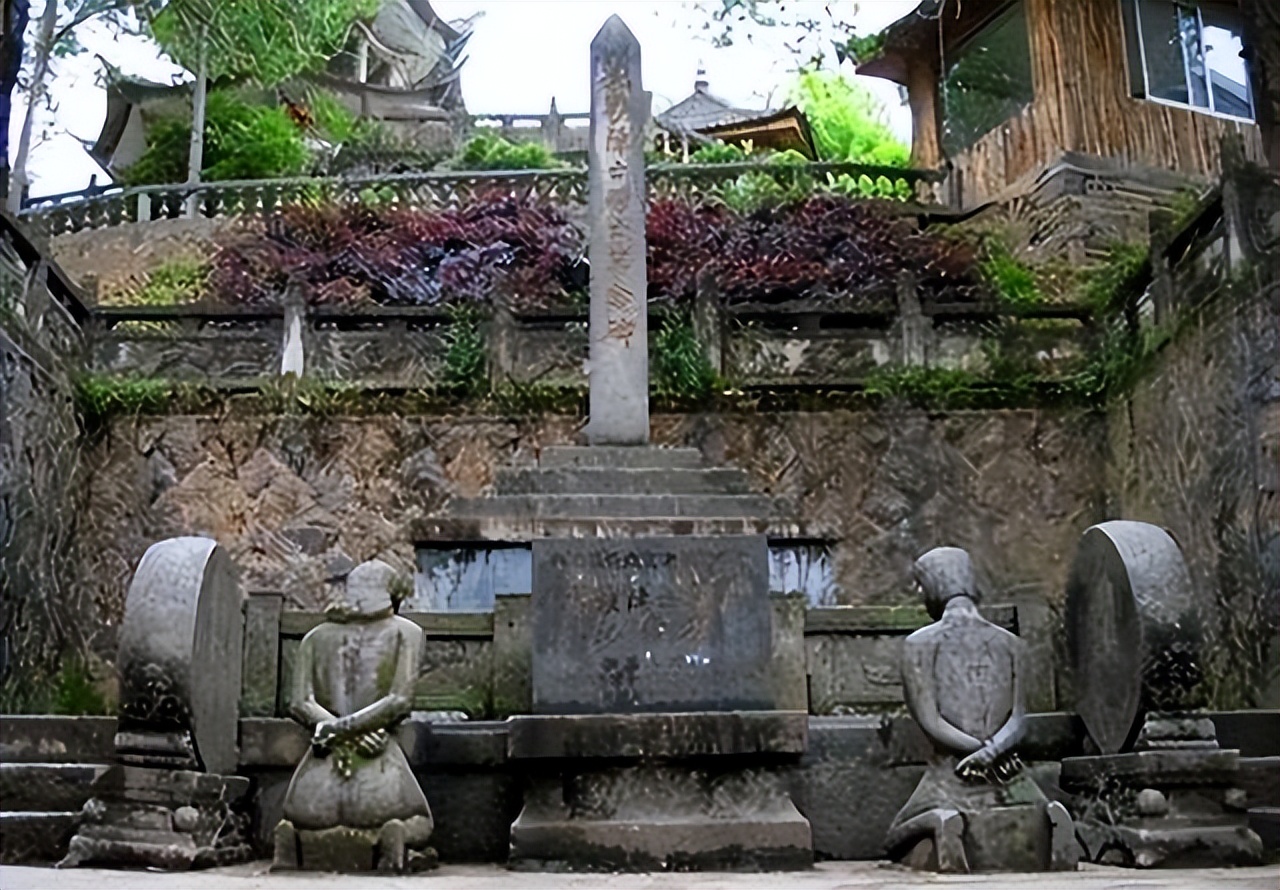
(181, 645)
(1133, 631)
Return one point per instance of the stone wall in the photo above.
(286, 494)
(1195, 445)
(47, 616)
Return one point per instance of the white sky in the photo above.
(522, 53)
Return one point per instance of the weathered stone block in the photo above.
(512, 655)
(49, 739)
(657, 736)
(650, 818)
(47, 787)
(652, 624)
(1008, 839)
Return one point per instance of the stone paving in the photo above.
(826, 876)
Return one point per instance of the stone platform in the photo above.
(824, 876)
(660, 735)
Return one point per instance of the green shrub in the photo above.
(173, 282)
(491, 152)
(679, 363)
(1126, 271)
(719, 153)
(466, 362)
(242, 140)
(1013, 280)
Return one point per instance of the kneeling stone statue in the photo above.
(354, 804)
(974, 809)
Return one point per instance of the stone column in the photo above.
(619, 351)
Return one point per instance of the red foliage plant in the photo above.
(828, 251)
(405, 257)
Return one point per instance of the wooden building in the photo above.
(703, 117)
(1001, 91)
(403, 70)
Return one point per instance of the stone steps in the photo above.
(614, 506)
(631, 457)
(27, 836)
(522, 529)
(621, 481)
(47, 787)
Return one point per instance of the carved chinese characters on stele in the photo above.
(619, 350)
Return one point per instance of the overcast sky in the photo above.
(522, 53)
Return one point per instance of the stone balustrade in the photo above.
(401, 347)
(101, 208)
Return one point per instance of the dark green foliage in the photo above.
(466, 362)
(263, 41)
(165, 158)
(100, 397)
(1013, 281)
(719, 153)
(861, 50)
(72, 692)
(173, 282)
(491, 152)
(243, 140)
(678, 362)
(1122, 277)
(75, 693)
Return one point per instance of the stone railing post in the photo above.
(262, 610)
(512, 654)
(292, 353)
(500, 342)
(914, 330)
(708, 321)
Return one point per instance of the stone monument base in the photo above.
(659, 792)
(173, 820)
(660, 819)
(1023, 838)
(349, 850)
(1174, 803)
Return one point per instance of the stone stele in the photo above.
(619, 325)
(181, 645)
(354, 804)
(975, 809)
(1133, 630)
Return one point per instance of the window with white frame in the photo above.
(1188, 54)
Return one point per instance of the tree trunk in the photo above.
(16, 13)
(1262, 49)
(35, 97)
(195, 158)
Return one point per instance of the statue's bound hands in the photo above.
(989, 765)
(372, 743)
(976, 766)
(323, 737)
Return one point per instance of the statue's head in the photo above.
(943, 574)
(366, 593)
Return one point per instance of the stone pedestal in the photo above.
(659, 792)
(170, 801)
(163, 818)
(660, 725)
(1173, 803)
(1160, 792)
